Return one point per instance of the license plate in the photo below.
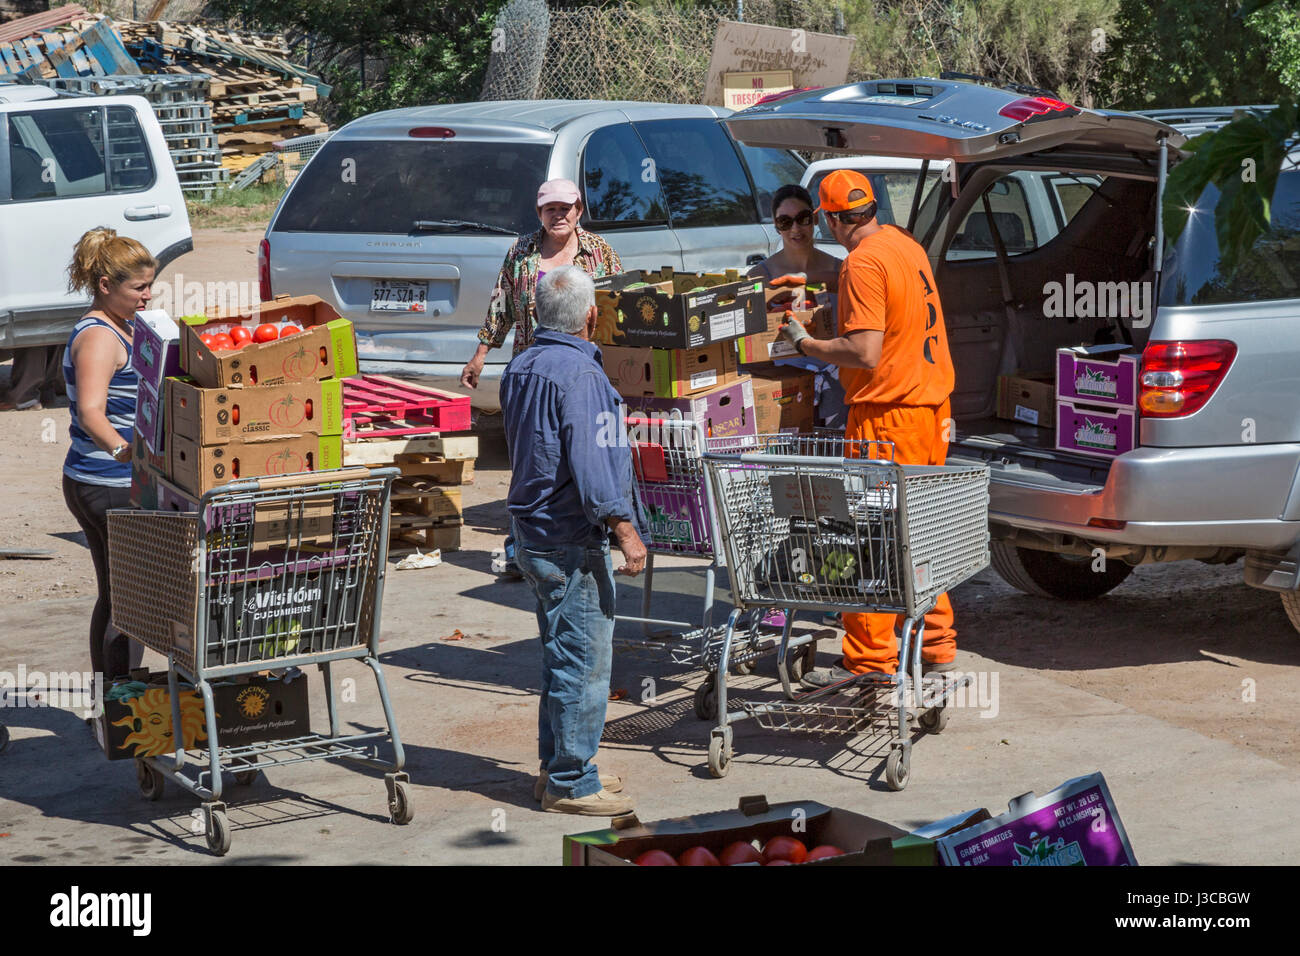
(397, 295)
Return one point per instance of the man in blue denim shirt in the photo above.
(570, 488)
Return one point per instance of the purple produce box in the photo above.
(723, 412)
(149, 407)
(1074, 825)
(675, 518)
(1097, 376)
(1093, 431)
(155, 348)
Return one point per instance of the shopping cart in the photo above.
(807, 528)
(269, 574)
(675, 495)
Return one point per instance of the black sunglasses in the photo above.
(804, 218)
(849, 216)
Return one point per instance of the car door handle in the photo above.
(138, 213)
(755, 259)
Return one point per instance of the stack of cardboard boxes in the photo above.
(700, 346)
(206, 418)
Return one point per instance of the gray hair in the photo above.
(564, 296)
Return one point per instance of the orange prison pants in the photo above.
(871, 640)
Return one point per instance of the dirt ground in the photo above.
(1187, 644)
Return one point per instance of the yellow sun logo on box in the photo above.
(252, 702)
(150, 722)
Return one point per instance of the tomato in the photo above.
(289, 330)
(824, 853)
(234, 415)
(206, 339)
(734, 854)
(221, 342)
(784, 848)
(697, 856)
(266, 333)
(241, 335)
(655, 858)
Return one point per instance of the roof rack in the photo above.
(1200, 119)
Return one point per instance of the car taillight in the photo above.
(1178, 378)
(773, 97)
(1028, 107)
(431, 132)
(264, 270)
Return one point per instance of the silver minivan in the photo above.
(1216, 474)
(403, 218)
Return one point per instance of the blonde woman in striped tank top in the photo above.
(117, 273)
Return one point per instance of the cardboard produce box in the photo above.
(147, 466)
(785, 401)
(155, 348)
(669, 373)
(865, 840)
(150, 416)
(1100, 432)
(780, 298)
(723, 412)
(213, 416)
(768, 345)
(1027, 398)
(325, 347)
(677, 310)
(1074, 825)
(196, 468)
(137, 722)
(1097, 375)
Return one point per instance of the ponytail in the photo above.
(101, 252)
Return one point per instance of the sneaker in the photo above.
(602, 803)
(774, 619)
(33, 405)
(510, 571)
(610, 781)
(825, 676)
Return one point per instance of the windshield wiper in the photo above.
(434, 225)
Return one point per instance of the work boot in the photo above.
(934, 667)
(824, 677)
(602, 803)
(610, 781)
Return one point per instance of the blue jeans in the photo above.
(574, 585)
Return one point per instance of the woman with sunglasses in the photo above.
(793, 216)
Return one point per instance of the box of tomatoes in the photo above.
(289, 339)
(196, 468)
(756, 833)
(214, 416)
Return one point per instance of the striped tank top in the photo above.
(86, 461)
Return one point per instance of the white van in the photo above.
(69, 164)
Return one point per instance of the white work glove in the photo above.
(794, 332)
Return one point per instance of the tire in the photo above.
(1291, 604)
(805, 662)
(933, 721)
(218, 832)
(149, 780)
(719, 755)
(245, 778)
(1051, 575)
(897, 769)
(706, 700)
(399, 805)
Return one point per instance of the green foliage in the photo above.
(1243, 160)
(383, 54)
(1279, 25)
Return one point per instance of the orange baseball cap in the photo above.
(836, 187)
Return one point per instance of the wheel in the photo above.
(218, 832)
(897, 769)
(149, 779)
(399, 804)
(1048, 574)
(1290, 603)
(934, 720)
(706, 700)
(802, 663)
(719, 755)
(745, 667)
(245, 777)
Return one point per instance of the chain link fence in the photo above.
(654, 53)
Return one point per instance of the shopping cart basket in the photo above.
(268, 574)
(675, 495)
(806, 528)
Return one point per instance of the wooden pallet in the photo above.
(385, 451)
(420, 497)
(442, 537)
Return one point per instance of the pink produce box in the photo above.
(1103, 433)
(1098, 375)
(723, 412)
(155, 348)
(149, 407)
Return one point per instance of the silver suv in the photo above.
(1216, 474)
(403, 218)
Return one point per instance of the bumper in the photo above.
(485, 398)
(1228, 497)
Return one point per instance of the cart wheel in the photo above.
(745, 667)
(218, 832)
(245, 777)
(897, 769)
(804, 663)
(399, 804)
(934, 720)
(706, 700)
(719, 755)
(149, 779)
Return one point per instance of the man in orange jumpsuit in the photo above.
(892, 351)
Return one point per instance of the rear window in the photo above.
(771, 169)
(1271, 270)
(700, 173)
(359, 186)
(1009, 205)
(62, 152)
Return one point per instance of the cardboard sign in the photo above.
(740, 90)
(809, 497)
(814, 59)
